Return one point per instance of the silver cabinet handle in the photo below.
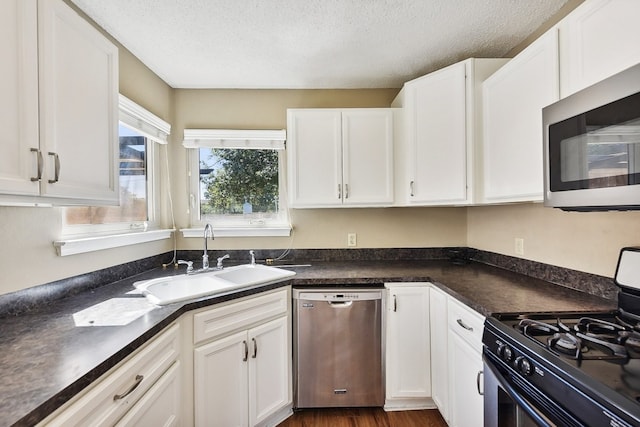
(135, 385)
(56, 173)
(478, 381)
(246, 351)
(461, 323)
(255, 348)
(38, 176)
(346, 191)
(411, 189)
(339, 191)
(395, 304)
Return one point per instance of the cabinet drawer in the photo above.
(222, 320)
(100, 406)
(160, 406)
(466, 322)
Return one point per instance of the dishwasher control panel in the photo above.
(337, 294)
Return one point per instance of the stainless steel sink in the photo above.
(167, 290)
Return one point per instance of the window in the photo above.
(141, 134)
(135, 208)
(237, 182)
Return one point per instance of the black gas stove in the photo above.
(566, 369)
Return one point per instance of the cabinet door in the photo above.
(438, 144)
(314, 157)
(598, 39)
(367, 147)
(408, 347)
(465, 367)
(160, 406)
(78, 107)
(439, 352)
(269, 369)
(220, 382)
(513, 99)
(19, 97)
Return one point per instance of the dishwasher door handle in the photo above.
(340, 304)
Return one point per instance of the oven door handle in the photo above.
(524, 404)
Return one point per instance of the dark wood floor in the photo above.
(363, 417)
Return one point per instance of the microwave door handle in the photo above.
(524, 404)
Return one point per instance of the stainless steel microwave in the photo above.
(592, 146)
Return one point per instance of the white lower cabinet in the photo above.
(221, 382)
(439, 342)
(465, 365)
(408, 372)
(240, 374)
(433, 353)
(242, 377)
(145, 390)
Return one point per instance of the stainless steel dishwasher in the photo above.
(338, 347)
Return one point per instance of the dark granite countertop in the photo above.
(489, 290)
(45, 359)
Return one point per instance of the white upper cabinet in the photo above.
(513, 98)
(340, 157)
(19, 97)
(78, 107)
(59, 105)
(440, 121)
(598, 39)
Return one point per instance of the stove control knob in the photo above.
(524, 365)
(505, 352)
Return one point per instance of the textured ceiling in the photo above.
(313, 43)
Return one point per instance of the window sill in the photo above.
(274, 231)
(97, 243)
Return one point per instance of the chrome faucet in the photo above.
(253, 257)
(188, 263)
(205, 256)
(219, 266)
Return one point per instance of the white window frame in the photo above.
(90, 237)
(194, 139)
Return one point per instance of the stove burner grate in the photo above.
(586, 339)
(566, 343)
(531, 328)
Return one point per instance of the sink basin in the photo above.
(167, 290)
(253, 274)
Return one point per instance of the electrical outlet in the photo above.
(519, 246)
(352, 239)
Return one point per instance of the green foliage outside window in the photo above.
(231, 178)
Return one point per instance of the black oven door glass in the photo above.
(597, 149)
(505, 405)
(510, 414)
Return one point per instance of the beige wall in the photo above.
(313, 228)
(585, 241)
(379, 228)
